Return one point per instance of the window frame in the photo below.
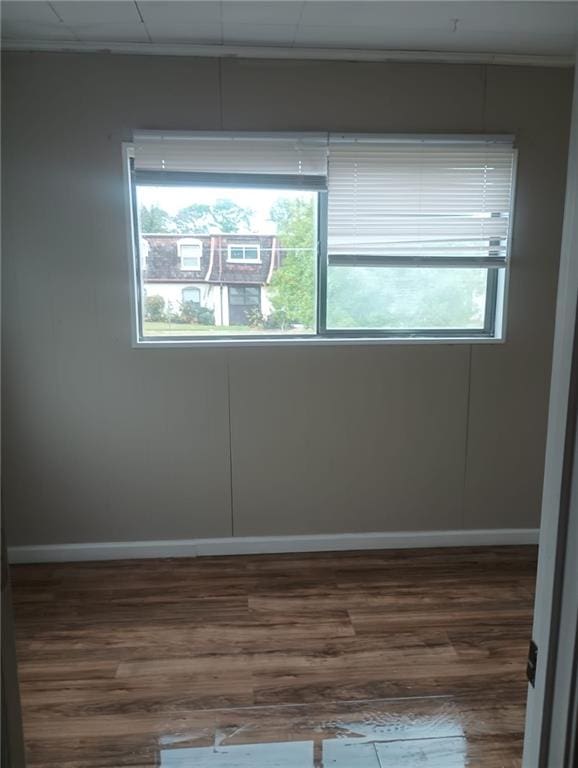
(494, 291)
(498, 276)
(190, 241)
(191, 288)
(244, 287)
(243, 247)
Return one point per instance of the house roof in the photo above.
(163, 263)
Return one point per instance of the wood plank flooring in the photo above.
(389, 659)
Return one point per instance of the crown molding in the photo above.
(274, 52)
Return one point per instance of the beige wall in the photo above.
(105, 442)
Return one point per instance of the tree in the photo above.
(222, 216)
(293, 284)
(230, 217)
(193, 218)
(154, 219)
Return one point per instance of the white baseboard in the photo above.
(258, 545)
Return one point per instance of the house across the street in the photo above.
(226, 273)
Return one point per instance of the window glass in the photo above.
(274, 230)
(393, 298)
(244, 295)
(190, 252)
(192, 294)
(244, 252)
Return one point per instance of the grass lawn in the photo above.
(192, 329)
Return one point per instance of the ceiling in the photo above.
(528, 29)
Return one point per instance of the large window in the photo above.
(331, 236)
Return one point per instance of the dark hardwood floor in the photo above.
(390, 659)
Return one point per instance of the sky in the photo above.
(172, 199)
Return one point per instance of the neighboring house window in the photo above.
(192, 295)
(190, 252)
(244, 301)
(371, 236)
(249, 252)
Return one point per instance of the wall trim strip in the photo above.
(258, 545)
(280, 52)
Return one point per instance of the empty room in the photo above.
(288, 384)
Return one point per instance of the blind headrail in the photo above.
(507, 140)
(150, 135)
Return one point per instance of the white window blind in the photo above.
(405, 200)
(292, 155)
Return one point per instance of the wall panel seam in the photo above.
(467, 436)
(231, 496)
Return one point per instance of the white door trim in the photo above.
(556, 480)
(561, 724)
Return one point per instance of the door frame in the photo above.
(550, 738)
(245, 306)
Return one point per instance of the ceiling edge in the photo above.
(274, 52)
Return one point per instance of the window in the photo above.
(190, 252)
(417, 235)
(245, 295)
(244, 304)
(351, 237)
(192, 295)
(245, 253)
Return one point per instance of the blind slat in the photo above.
(419, 200)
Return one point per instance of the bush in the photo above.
(155, 309)
(278, 319)
(192, 313)
(255, 318)
(173, 312)
(176, 317)
(205, 316)
(189, 312)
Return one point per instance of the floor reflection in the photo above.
(362, 737)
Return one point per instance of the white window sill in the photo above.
(319, 341)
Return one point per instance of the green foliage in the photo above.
(185, 313)
(155, 308)
(173, 312)
(189, 312)
(223, 216)
(278, 320)
(293, 284)
(192, 313)
(205, 316)
(391, 298)
(255, 318)
(154, 219)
